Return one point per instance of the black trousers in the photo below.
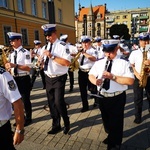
(35, 73)
(112, 111)
(138, 96)
(84, 85)
(71, 78)
(24, 85)
(6, 137)
(55, 89)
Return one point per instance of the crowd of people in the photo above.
(105, 69)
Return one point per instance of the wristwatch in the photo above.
(20, 131)
(53, 57)
(114, 77)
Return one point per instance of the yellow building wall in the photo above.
(31, 23)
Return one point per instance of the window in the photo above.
(21, 5)
(125, 17)
(44, 8)
(24, 36)
(6, 29)
(117, 17)
(3, 3)
(60, 15)
(33, 5)
(36, 35)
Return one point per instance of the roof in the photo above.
(100, 9)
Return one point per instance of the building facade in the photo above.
(137, 20)
(27, 16)
(96, 21)
(90, 21)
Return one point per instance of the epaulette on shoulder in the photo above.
(101, 58)
(124, 58)
(63, 43)
(23, 50)
(2, 70)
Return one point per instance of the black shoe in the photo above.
(116, 147)
(149, 110)
(66, 129)
(105, 141)
(70, 90)
(27, 122)
(94, 105)
(14, 124)
(44, 87)
(84, 109)
(138, 120)
(54, 130)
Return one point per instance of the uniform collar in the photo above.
(19, 48)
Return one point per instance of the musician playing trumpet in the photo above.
(112, 75)
(139, 62)
(37, 66)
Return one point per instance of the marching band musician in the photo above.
(57, 60)
(73, 50)
(35, 54)
(86, 61)
(112, 74)
(99, 47)
(20, 67)
(9, 95)
(136, 58)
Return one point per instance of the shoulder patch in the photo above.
(2, 70)
(67, 51)
(28, 56)
(63, 43)
(22, 50)
(96, 52)
(12, 85)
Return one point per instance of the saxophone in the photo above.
(75, 64)
(145, 70)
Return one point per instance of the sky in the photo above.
(113, 5)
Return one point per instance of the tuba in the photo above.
(145, 69)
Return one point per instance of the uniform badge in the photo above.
(27, 56)
(12, 85)
(96, 52)
(131, 69)
(67, 51)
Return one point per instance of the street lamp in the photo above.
(51, 11)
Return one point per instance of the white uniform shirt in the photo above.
(8, 94)
(100, 53)
(73, 49)
(23, 58)
(37, 51)
(120, 67)
(136, 58)
(59, 49)
(87, 64)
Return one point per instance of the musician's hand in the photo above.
(99, 82)
(8, 66)
(107, 75)
(147, 62)
(47, 53)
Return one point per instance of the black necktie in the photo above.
(15, 62)
(107, 81)
(82, 60)
(47, 59)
